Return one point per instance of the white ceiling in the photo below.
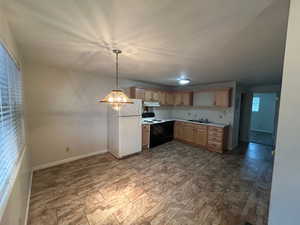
(205, 40)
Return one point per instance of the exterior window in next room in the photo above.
(255, 104)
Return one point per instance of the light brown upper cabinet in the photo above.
(169, 98)
(213, 98)
(183, 98)
(140, 93)
(137, 93)
(177, 98)
(163, 97)
(223, 97)
(204, 98)
(148, 95)
(155, 96)
(187, 98)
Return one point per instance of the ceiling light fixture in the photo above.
(117, 97)
(184, 81)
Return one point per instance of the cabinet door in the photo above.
(200, 135)
(148, 95)
(170, 98)
(188, 132)
(145, 136)
(222, 98)
(187, 98)
(178, 130)
(216, 139)
(139, 93)
(163, 98)
(155, 96)
(204, 98)
(178, 98)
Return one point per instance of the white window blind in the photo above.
(11, 119)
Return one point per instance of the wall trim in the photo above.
(59, 162)
(28, 200)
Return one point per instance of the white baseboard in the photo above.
(263, 131)
(28, 200)
(55, 163)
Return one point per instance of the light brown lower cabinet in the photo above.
(178, 133)
(200, 135)
(145, 136)
(207, 136)
(188, 132)
(217, 138)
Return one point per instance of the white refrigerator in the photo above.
(125, 129)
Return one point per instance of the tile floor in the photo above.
(172, 184)
(261, 138)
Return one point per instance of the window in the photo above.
(11, 119)
(255, 104)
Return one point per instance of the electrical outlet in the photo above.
(67, 149)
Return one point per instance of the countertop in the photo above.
(187, 121)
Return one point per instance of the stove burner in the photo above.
(152, 121)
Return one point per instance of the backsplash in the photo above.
(162, 112)
(224, 116)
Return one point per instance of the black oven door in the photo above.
(161, 133)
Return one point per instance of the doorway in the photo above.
(263, 118)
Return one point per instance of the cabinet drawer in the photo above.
(179, 123)
(189, 124)
(218, 139)
(213, 146)
(201, 127)
(215, 134)
(215, 129)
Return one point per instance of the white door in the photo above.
(130, 135)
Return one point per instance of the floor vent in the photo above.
(248, 223)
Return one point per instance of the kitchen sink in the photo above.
(199, 121)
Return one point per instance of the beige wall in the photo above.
(285, 198)
(62, 112)
(14, 212)
(6, 36)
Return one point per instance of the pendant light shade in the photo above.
(117, 98)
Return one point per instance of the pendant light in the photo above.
(117, 97)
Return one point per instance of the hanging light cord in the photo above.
(117, 70)
(117, 52)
